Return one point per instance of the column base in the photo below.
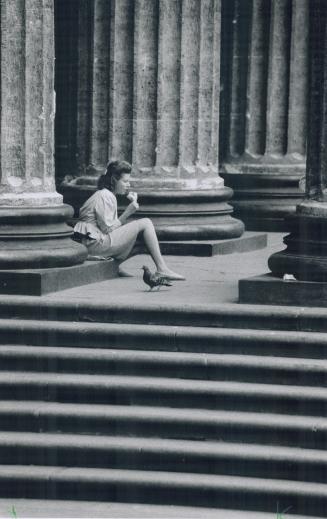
(38, 237)
(270, 290)
(305, 255)
(265, 214)
(38, 282)
(177, 215)
(263, 201)
(191, 215)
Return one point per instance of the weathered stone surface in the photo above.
(277, 91)
(27, 101)
(179, 215)
(37, 237)
(121, 84)
(32, 216)
(264, 106)
(249, 241)
(145, 84)
(269, 290)
(298, 87)
(306, 252)
(164, 69)
(100, 85)
(37, 282)
(169, 52)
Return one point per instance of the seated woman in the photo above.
(106, 235)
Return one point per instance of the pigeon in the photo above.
(154, 280)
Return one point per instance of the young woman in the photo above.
(106, 235)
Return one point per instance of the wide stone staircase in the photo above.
(221, 407)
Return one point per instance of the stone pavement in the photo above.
(12, 508)
(208, 280)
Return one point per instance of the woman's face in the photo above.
(122, 185)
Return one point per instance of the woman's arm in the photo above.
(130, 209)
(106, 212)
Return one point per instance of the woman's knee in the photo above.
(146, 223)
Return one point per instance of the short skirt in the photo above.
(117, 244)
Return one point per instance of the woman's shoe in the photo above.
(170, 275)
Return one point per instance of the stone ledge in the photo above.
(269, 290)
(37, 282)
(249, 241)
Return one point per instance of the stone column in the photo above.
(101, 91)
(264, 107)
(306, 254)
(33, 232)
(154, 101)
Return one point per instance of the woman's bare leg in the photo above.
(152, 244)
(128, 233)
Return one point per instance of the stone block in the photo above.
(38, 282)
(249, 241)
(269, 290)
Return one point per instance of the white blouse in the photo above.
(98, 215)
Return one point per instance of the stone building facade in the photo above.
(33, 229)
(199, 95)
(264, 83)
(145, 86)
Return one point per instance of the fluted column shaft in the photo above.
(148, 91)
(31, 211)
(121, 79)
(306, 252)
(176, 93)
(93, 86)
(27, 103)
(264, 112)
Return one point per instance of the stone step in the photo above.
(207, 366)
(160, 487)
(229, 426)
(227, 315)
(85, 509)
(198, 457)
(133, 390)
(94, 403)
(165, 338)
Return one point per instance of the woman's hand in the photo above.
(134, 206)
(132, 196)
(129, 211)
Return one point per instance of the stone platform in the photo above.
(269, 290)
(44, 281)
(249, 241)
(38, 282)
(61, 508)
